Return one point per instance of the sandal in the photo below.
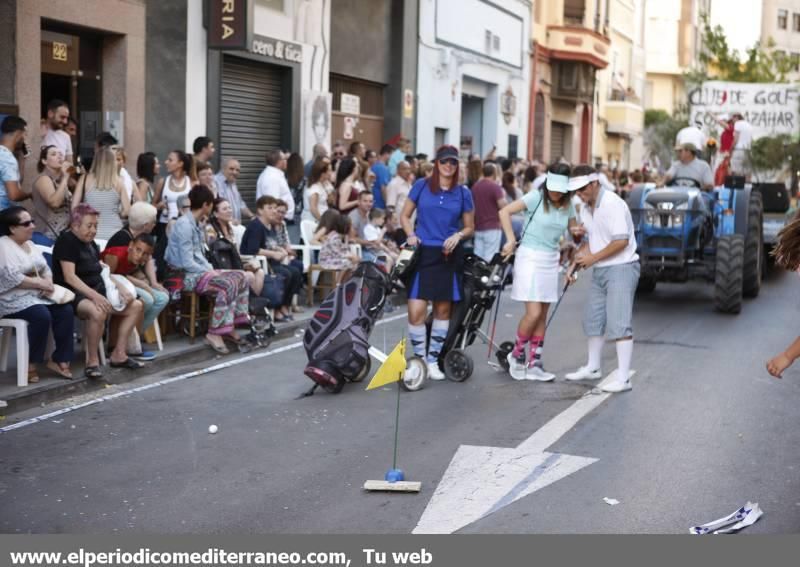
(92, 372)
(281, 319)
(33, 376)
(220, 349)
(61, 371)
(127, 363)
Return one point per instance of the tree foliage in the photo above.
(660, 132)
(761, 63)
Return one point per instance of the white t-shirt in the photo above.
(745, 131)
(322, 191)
(272, 181)
(60, 140)
(372, 232)
(611, 220)
(127, 181)
(691, 135)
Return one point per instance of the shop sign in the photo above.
(350, 104)
(277, 49)
(230, 24)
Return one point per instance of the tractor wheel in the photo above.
(647, 284)
(754, 246)
(728, 274)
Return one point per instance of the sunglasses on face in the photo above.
(26, 223)
(450, 161)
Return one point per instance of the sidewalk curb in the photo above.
(33, 396)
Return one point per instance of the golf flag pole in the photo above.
(390, 371)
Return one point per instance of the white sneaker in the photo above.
(616, 386)
(613, 384)
(540, 374)
(584, 373)
(434, 373)
(516, 367)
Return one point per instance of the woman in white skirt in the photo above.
(549, 213)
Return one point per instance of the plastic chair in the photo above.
(20, 328)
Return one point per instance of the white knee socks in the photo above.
(624, 355)
(595, 353)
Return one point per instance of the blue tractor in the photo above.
(684, 233)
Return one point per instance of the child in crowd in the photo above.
(327, 224)
(374, 231)
(335, 253)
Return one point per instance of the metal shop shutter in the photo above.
(250, 118)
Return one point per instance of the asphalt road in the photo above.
(704, 430)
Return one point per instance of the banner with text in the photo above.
(771, 108)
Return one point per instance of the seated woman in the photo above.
(335, 253)
(135, 262)
(224, 253)
(25, 279)
(76, 265)
(228, 287)
(50, 195)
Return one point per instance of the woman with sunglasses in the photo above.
(445, 218)
(549, 212)
(25, 280)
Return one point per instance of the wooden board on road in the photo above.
(386, 486)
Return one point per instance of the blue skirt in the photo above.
(438, 277)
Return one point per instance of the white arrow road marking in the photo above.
(481, 480)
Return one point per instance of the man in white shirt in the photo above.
(272, 181)
(692, 134)
(398, 188)
(742, 140)
(611, 249)
(55, 135)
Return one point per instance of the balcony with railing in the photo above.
(624, 114)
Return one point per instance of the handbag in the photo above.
(60, 294)
(274, 288)
(113, 283)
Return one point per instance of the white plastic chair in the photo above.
(20, 328)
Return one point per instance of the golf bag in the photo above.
(337, 337)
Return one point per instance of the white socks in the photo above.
(624, 355)
(596, 353)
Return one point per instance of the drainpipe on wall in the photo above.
(532, 105)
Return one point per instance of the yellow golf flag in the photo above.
(392, 368)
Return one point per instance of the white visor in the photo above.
(581, 181)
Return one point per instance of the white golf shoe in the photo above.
(614, 385)
(516, 367)
(584, 373)
(539, 374)
(434, 373)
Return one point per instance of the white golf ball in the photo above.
(213, 429)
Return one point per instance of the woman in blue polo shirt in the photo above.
(549, 214)
(445, 218)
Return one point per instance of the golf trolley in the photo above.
(482, 284)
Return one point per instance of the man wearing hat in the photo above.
(689, 167)
(692, 134)
(611, 252)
